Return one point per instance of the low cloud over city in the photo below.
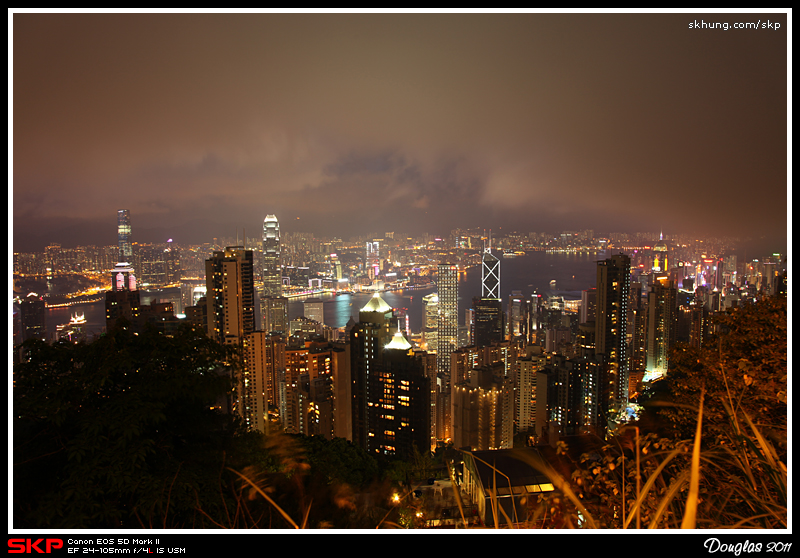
(343, 124)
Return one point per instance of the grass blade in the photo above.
(690, 514)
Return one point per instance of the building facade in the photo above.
(662, 324)
(613, 289)
(272, 257)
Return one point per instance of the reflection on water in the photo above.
(533, 272)
(529, 273)
(339, 309)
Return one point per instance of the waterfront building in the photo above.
(32, 317)
(313, 310)
(73, 331)
(122, 301)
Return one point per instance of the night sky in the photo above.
(346, 124)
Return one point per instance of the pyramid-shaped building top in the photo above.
(399, 342)
(376, 304)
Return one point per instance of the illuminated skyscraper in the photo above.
(276, 314)
(124, 236)
(430, 325)
(447, 334)
(373, 259)
(390, 392)
(336, 267)
(272, 256)
(483, 410)
(613, 288)
(122, 301)
(447, 342)
(489, 324)
(531, 393)
(515, 314)
(230, 300)
(230, 295)
(662, 321)
(661, 256)
(490, 274)
(400, 395)
(274, 307)
(367, 339)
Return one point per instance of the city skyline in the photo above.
(343, 124)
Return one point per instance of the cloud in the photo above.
(424, 121)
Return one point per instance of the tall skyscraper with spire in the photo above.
(274, 307)
(490, 273)
(661, 256)
(124, 236)
(489, 323)
(122, 301)
(272, 256)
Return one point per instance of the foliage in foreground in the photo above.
(717, 458)
(117, 433)
(122, 433)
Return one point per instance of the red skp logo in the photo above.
(29, 546)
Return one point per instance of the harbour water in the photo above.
(530, 273)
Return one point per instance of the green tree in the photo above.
(121, 432)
